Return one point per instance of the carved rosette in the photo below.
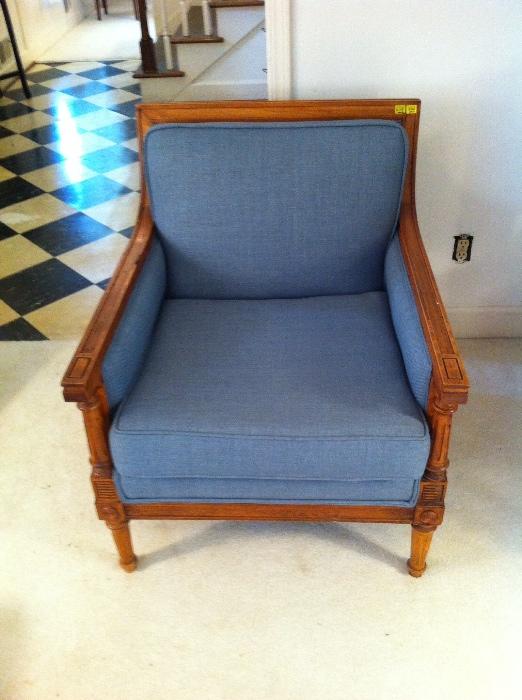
(429, 510)
(112, 513)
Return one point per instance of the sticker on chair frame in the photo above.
(405, 109)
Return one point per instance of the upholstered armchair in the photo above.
(272, 345)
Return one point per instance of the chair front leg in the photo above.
(429, 510)
(108, 504)
(420, 544)
(119, 526)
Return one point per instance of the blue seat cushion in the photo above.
(280, 400)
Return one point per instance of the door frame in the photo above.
(278, 49)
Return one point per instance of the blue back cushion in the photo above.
(275, 210)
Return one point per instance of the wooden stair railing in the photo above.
(149, 62)
(156, 64)
(203, 20)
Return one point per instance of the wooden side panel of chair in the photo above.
(83, 381)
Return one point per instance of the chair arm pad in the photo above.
(449, 382)
(406, 322)
(124, 357)
(83, 378)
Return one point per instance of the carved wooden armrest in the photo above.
(83, 379)
(449, 383)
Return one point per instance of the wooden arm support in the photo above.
(449, 384)
(83, 379)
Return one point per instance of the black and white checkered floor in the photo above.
(68, 194)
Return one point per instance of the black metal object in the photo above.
(19, 65)
(148, 54)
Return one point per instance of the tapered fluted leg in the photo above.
(420, 544)
(123, 541)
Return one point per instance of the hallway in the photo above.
(115, 37)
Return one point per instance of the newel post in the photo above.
(148, 54)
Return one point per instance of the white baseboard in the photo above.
(216, 90)
(486, 321)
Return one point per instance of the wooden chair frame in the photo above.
(83, 381)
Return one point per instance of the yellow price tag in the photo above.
(405, 109)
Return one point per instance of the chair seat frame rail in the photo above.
(83, 381)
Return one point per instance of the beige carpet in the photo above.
(116, 37)
(225, 611)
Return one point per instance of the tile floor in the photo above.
(68, 194)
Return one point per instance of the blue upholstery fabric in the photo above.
(128, 347)
(297, 400)
(407, 323)
(275, 210)
(398, 492)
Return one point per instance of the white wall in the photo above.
(242, 64)
(463, 59)
(40, 23)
